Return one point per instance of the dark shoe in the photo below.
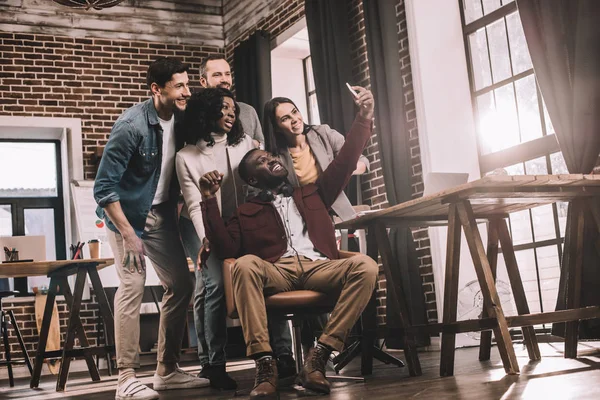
(218, 377)
(286, 366)
(312, 376)
(265, 384)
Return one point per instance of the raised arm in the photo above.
(336, 141)
(336, 176)
(225, 239)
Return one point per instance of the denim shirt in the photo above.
(130, 166)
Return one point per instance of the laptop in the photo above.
(437, 181)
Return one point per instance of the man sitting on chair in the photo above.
(285, 241)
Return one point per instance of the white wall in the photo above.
(287, 78)
(444, 112)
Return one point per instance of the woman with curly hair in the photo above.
(215, 141)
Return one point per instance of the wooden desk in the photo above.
(491, 198)
(58, 271)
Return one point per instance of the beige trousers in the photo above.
(163, 246)
(351, 279)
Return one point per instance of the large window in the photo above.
(31, 200)
(515, 134)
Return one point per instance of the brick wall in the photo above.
(373, 186)
(24, 310)
(91, 79)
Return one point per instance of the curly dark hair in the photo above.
(202, 113)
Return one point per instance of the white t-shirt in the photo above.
(298, 242)
(168, 161)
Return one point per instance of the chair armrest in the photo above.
(228, 286)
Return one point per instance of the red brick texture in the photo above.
(91, 79)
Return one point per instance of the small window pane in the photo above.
(28, 169)
(549, 126)
(40, 222)
(536, 166)
(499, 129)
(562, 208)
(557, 162)
(529, 111)
(543, 222)
(315, 118)
(517, 169)
(473, 10)
(310, 82)
(526, 263)
(499, 50)
(520, 226)
(480, 60)
(6, 220)
(519, 52)
(549, 268)
(490, 5)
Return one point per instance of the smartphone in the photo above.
(352, 90)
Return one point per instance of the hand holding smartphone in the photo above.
(354, 93)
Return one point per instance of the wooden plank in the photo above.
(450, 291)
(45, 268)
(80, 331)
(71, 327)
(476, 325)
(518, 291)
(554, 316)
(43, 334)
(394, 287)
(485, 341)
(574, 275)
(162, 21)
(488, 288)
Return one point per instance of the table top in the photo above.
(491, 196)
(43, 268)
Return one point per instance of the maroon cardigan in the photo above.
(256, 227)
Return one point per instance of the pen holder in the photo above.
(12, 256)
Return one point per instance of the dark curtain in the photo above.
(252, 69)
(563, 37)
(327, 23)
(392, 135)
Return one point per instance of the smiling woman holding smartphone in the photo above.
(306, 150)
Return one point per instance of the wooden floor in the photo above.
(552, 378)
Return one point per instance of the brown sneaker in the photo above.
(265, 383)
(312, 376)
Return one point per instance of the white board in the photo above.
(89, 226)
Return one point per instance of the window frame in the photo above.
(523, 152)
(19, 204)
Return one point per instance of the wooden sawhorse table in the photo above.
(58, 271)
(491, 199)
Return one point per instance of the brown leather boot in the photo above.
(265, 383)
(312, 376)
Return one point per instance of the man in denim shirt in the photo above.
(136, 190)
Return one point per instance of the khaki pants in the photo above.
(351, 279)
(163, 246)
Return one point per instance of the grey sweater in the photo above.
(250, 122)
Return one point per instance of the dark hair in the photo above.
(205, 61)
(243, 168)
(202, 113)
(162, 70)
(275, 142)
